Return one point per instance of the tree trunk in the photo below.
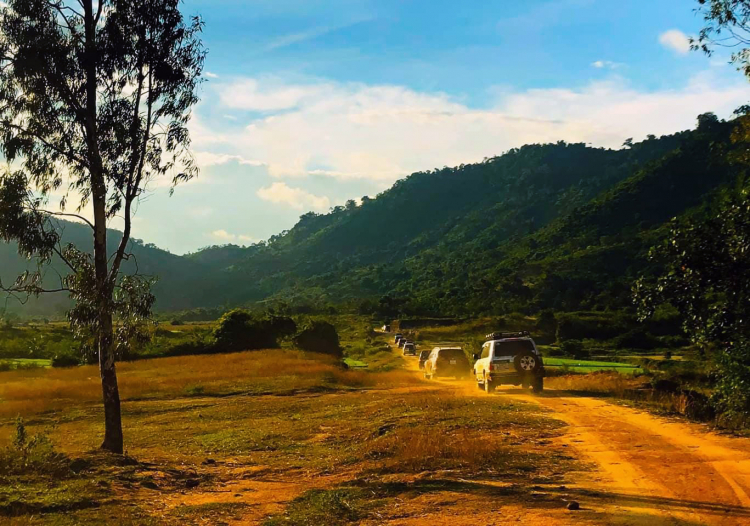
(104, 337)
(110, 391)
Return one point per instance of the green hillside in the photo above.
(562, 226)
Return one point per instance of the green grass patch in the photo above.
(351, 362)
(21, 363)
(335, 507)
(590, 366)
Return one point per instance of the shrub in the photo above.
(239, 330)
(65, 360)
(319, 337)
(546, 322)
(574, 348)
(31, 454)
(638, 338)
(177, 322)
(554, 351)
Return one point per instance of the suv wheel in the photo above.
(537, 385)
(526, 362)
(489, 387)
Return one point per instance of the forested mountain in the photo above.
(562, 226)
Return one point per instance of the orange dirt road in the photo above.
(649, 469)
(645, 469)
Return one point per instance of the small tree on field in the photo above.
(95, 96)
(239, 330)
(320, 337)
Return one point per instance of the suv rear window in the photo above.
(451, 354)
(513, 347)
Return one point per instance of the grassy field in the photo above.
(267, 437)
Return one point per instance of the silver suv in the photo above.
(509, 358)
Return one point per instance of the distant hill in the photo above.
(562, 226)
(180, 279)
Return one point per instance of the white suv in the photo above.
(509, 358)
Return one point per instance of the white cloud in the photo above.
(381, 133)
(267, 94)
(606, 64)
(204, 159)
(675, 40)
(211, 75)
(296, 198)
(225, 236)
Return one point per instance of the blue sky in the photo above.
(310, 103)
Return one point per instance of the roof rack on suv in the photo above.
(500, 335)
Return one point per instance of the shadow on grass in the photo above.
(367, 498)
(21, 507)
(554, 496)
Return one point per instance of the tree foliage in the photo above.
(727, 26)
(240, 330)
(95, 98)
(319, 337)
(706, 276)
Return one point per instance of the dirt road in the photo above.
(645, 469)
(648, 469)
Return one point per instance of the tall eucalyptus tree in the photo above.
(95, 97)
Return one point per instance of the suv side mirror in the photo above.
(475, 356)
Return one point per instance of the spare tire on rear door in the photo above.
(526, 362)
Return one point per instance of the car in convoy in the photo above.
(423, 355)
(397, 338)
(447, 361)
(410, 349)
(509, 358)
(403, 342)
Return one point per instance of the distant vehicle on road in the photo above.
(386, 328)
(403, 342)
(397, 337)
(509, 358)
(447, 361)
(423, 355)
(410, 349)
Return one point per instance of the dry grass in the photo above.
(604, 382)
(28, 392)
(691, 404)
(446, 430)
(420, 448)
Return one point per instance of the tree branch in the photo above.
(63, 214)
